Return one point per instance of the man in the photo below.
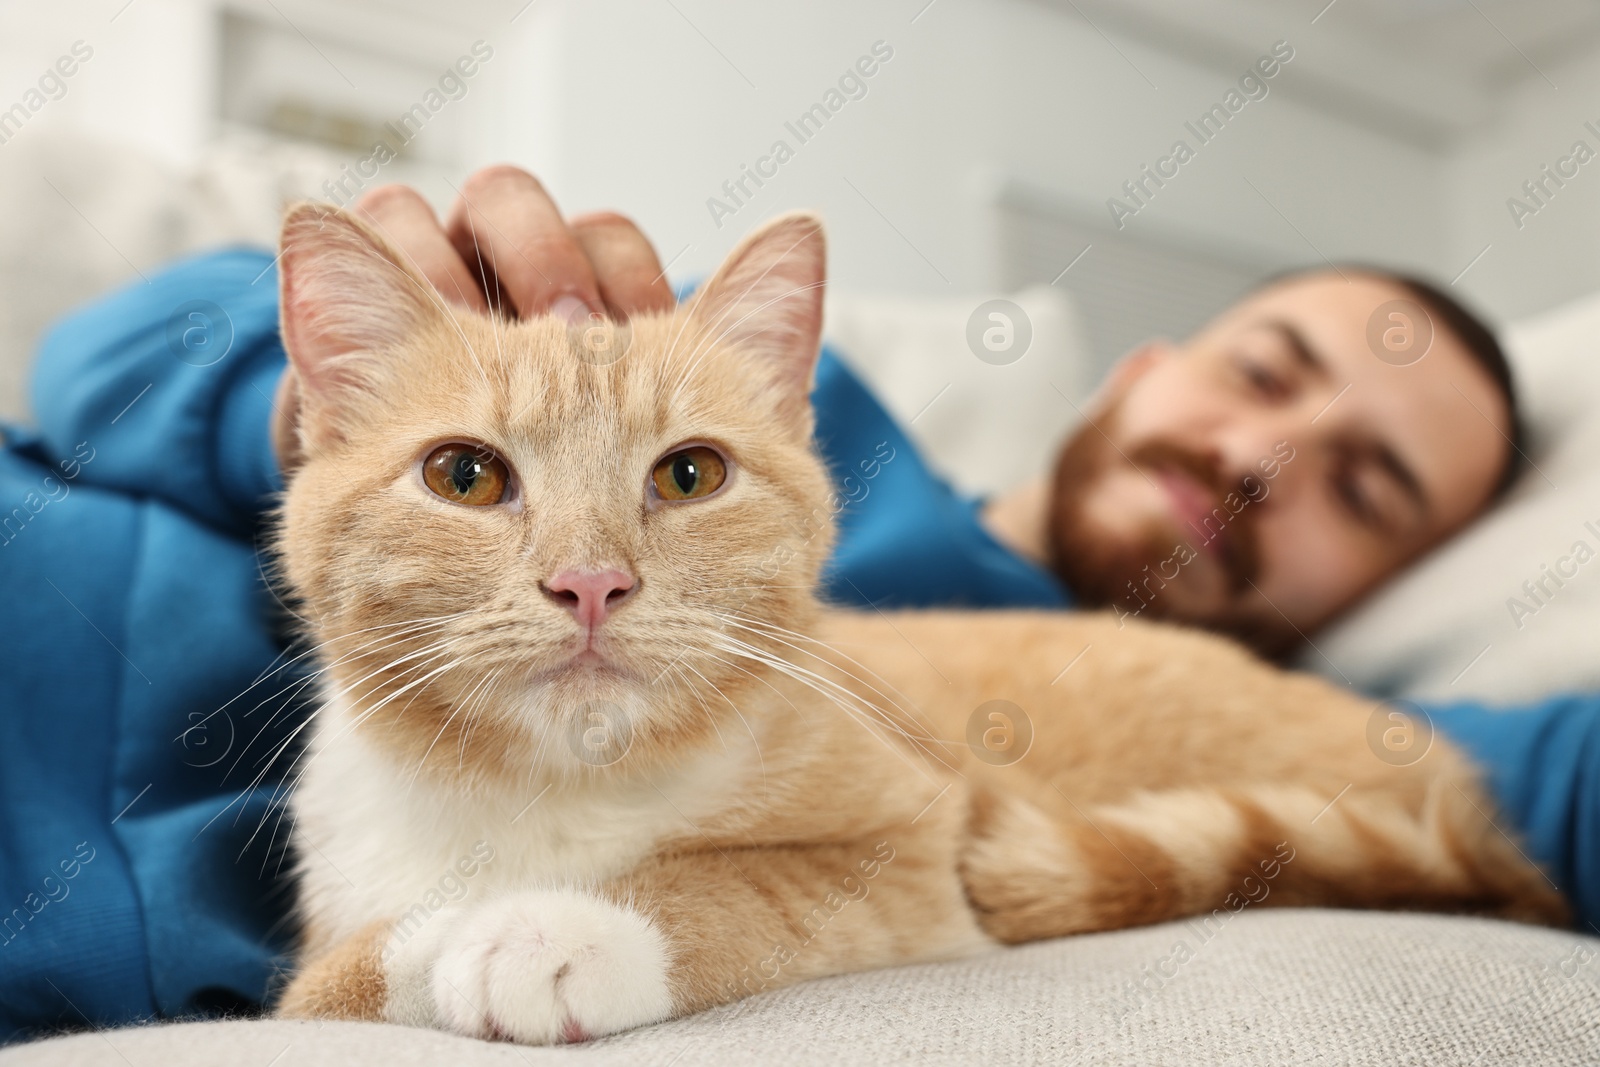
(1273, 469)
(1259, 479)
(1266, 474)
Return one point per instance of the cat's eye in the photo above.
(464, 474)
(689, 473)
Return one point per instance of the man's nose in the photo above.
(590, 595)
(1267, 452)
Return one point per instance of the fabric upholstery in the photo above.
(1272, 987)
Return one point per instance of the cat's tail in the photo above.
(1032, 873)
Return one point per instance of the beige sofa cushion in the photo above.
(1273, 987)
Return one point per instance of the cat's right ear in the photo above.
(347, 300)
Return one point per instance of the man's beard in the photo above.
(1129, 572)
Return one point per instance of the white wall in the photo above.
(148, 81)
(1555, 255)
(637, 104)
(654, 120)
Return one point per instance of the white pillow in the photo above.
(986, 426)
(1461, 624)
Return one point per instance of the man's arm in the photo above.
(1542, 764)
(164, 388)
(177, 386)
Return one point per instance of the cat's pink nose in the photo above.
(590, 595)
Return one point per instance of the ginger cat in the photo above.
(590, 754)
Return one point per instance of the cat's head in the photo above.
(518, 549)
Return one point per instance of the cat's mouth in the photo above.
(588, 659)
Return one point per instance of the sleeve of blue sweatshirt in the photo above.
(1542, 764)
(171, 383)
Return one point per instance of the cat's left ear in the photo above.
(347, 301)
(766, 299)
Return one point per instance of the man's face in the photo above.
(1263, 476)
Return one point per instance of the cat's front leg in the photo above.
(689, 930)
(550, 965)
(744, 920)
(679, 934)
(536, 967)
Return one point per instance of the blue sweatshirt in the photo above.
(152, 701)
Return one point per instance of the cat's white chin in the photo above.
(551, 966)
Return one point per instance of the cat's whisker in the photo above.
(266, 762)
(308, 651)
(866, 712)
(262, 567)
(852, 705)
(294, 821)
(300, 683)
(439, 650)
(755, 741)
(751, 586)
(493, 294)
(684, 323)
(296, 770)
(250, 789)
(873, 726)
(383, 643)
(776, 633)
(460, 706)
(473, 719)
(476, 698)
(362, 651)
(741, 668)
(764, 681)
(712, 718)
(787, 635)
(282, 791)
(395, 719)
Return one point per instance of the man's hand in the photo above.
(505, 246)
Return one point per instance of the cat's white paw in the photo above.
(557, 965)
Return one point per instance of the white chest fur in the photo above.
(376, 843)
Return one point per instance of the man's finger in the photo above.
(625, 265)
(505, 220)
(405, 219)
